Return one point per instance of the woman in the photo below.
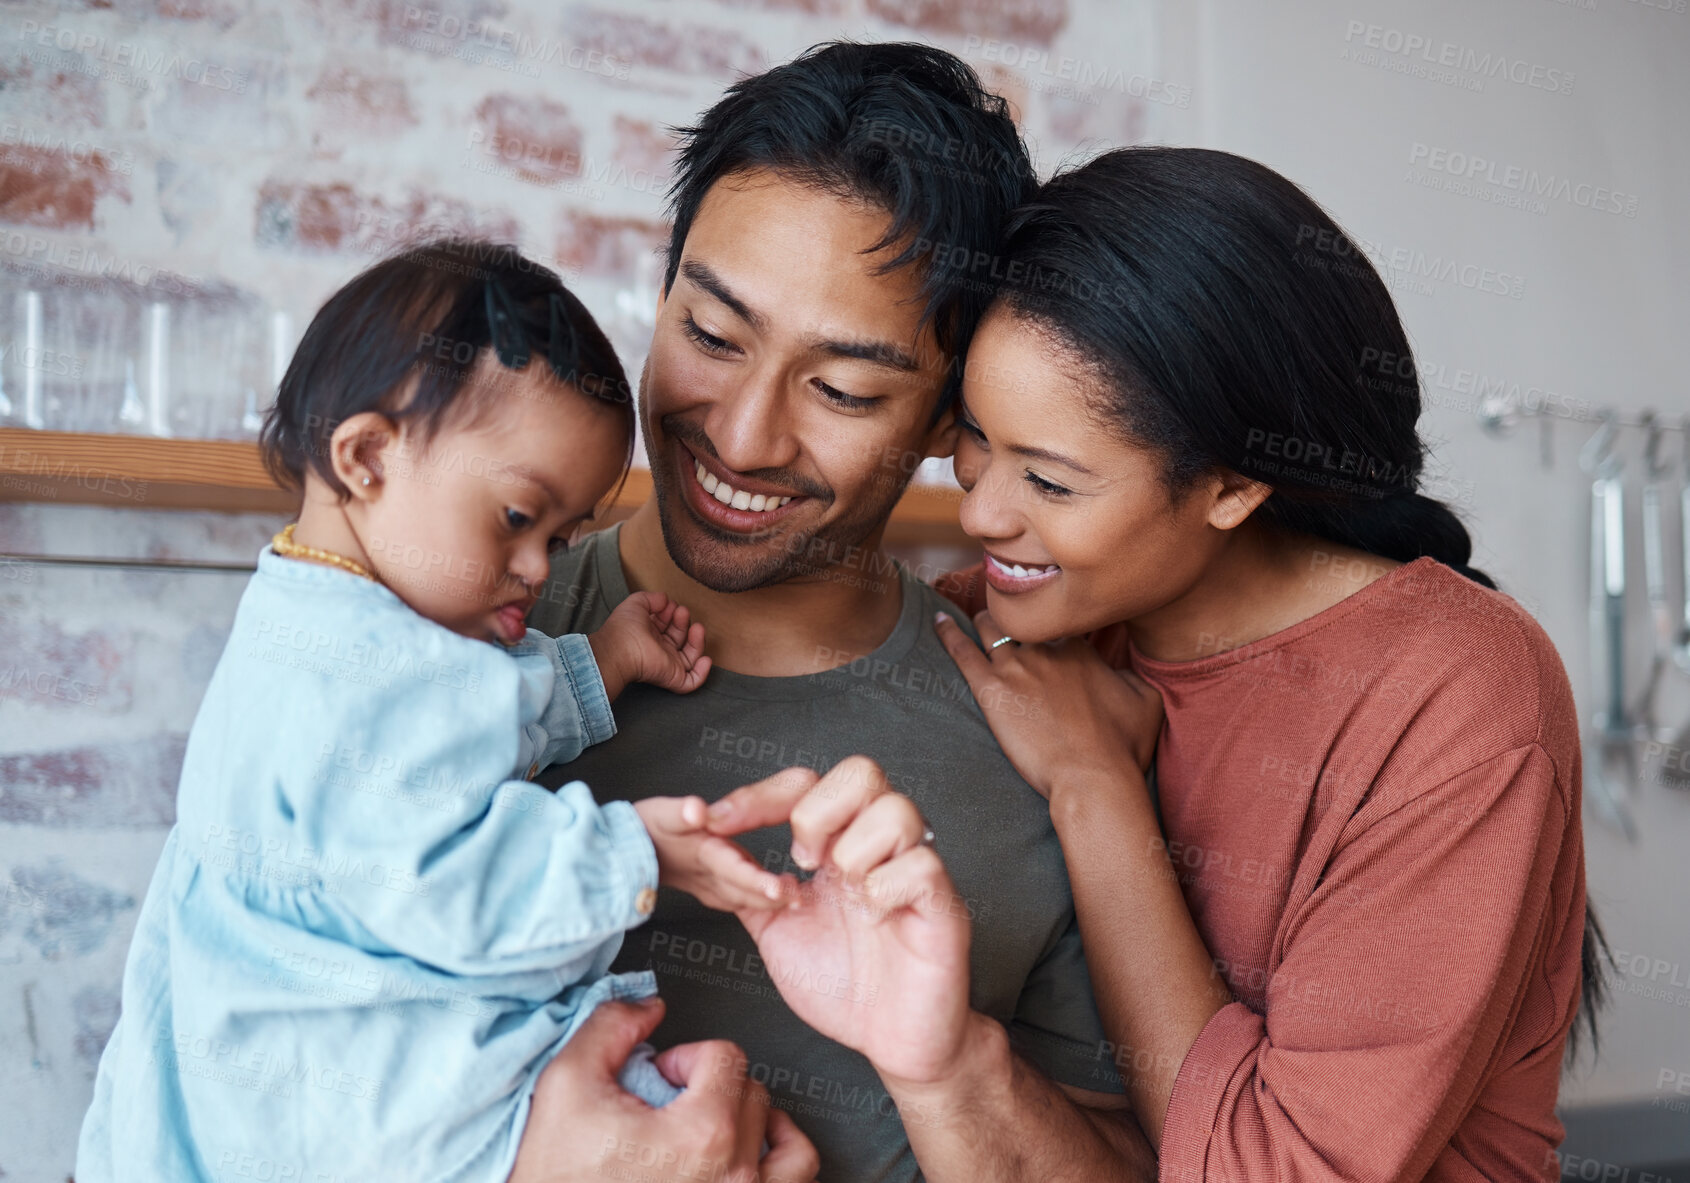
(1351, 949)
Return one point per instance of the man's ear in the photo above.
(358, 452)
(942, 436)
(1234, 498)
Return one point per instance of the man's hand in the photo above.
(582, 1126)
(873, 952)
(650, 638)
(714, 870)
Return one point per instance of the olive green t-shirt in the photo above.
(907, 706)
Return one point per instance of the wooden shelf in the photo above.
(146, 472)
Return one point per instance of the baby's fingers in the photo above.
(693, 678)
(693, 645)
(664, 618)
(737, 875)
(675, 628)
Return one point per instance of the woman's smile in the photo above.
(1014, 579)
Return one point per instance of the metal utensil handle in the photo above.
(1684, 555)
(1612, 498)
(1655, 568)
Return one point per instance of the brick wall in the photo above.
(232, 161)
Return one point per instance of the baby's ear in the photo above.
(359, 449)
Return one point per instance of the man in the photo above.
(805, 351)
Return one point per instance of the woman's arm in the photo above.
(1154, 980)
(1404, 965)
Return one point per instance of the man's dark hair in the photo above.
(904, 127)
(430, 312)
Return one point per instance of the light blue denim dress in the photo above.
(368, 932)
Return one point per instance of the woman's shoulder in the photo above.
(1473, 661)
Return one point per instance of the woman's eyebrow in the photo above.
(1052, 457)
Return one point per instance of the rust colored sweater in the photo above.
(1374, 817)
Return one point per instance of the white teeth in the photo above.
(738, 498)
(1017, 571)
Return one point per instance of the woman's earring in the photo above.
(366, 481)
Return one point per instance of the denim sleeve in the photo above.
(578, 714)
(445, 856)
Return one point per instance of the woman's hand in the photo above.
(1056, 708)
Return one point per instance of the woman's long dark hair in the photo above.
(1235, 326)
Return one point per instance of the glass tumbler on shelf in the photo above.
(92, 335)
(23, 387)
(11, 352)
(220, 364)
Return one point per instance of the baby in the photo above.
(368, 931)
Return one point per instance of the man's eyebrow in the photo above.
(1053, 457)
(881, 353)
(702, 276)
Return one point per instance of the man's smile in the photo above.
(729, 501)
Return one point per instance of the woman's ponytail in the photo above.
(1404, 526)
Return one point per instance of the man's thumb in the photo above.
(611, 1032)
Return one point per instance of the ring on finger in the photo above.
(1006, 639)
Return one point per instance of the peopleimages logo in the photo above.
(1402, 268)
(1366, 43)
(1039, 64)
(1527, 182)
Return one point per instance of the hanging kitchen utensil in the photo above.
(1610, 759)
(1675, 767)
(1681, 648)
(1662, 627)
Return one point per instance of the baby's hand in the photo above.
(650, 638)
(717, 872)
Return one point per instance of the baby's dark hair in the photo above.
(429, 312)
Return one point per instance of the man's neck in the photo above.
(801, 626)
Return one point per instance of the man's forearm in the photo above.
(998, 1118)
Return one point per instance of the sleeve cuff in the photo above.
(1225, 1047)
(635, 857)
(586, 686)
